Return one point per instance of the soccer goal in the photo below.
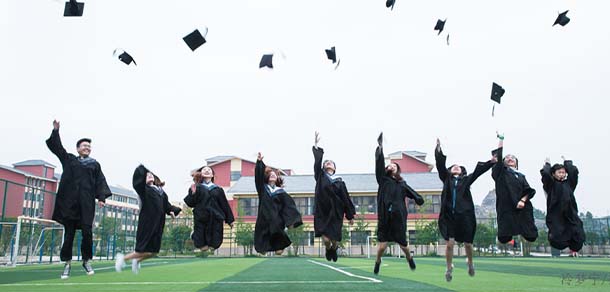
(33, 240)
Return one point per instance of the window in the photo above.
(248, 206)
(432, 205)
(366, 203)
(304, 205)
(235, 175)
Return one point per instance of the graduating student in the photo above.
(276, 211)
(513, 195)
(151, 221)
(565, 227)
(391, 206)
(457, 220)
(210, 209)
(82, 182)
(332, 202)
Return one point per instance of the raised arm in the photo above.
(192, 197)
(499, 166)
(481, 168)
(572, 173)
(318, 154)
(54, 144)
(547, 177)
(139, 180)
(259, 175)
(441, 161)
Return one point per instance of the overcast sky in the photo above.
(178, 107)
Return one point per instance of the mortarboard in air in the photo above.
(380, 139)
(331, 54)
(390, 4)
(496, 95)
(562, 19)
(74, 8)
(440, 25)
(195, 39)
(124, 57)
(266, 61)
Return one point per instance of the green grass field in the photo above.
(313, 274)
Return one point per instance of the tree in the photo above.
(298, 236)
(244, 236)
(179, 234)
(360, 231)
(484, 236)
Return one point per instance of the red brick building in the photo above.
(229, 169)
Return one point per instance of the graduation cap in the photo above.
(331, 54)
(390, 4)
(496, 95)
(380, 139)
(74, 8)
(562, 18)
(195, 39)
(266, 61)
(447, 39)
(440, 25)
(124, 57)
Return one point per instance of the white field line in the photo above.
(182, 283)
(373, 280)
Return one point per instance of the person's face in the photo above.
(84, 149)
(392, 168)
(455, 170)
(150, 178)
(560, 174)
(510, 161)
(207, 172)
(329, 166)
(272, 177)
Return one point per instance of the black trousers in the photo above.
(86, 246)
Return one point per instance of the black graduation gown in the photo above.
(391, 204)
(210, 209)
(511, 186)
(459, 222)
(82, 181)
(565, 227)
(332, 201)
(154, 206)
(276, 211)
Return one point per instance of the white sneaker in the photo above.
(120, 262)
(135, 266)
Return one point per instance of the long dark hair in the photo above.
(396, 176)
(279, 182)
(198, 176)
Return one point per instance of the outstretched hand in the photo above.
(547, 160)
(193, 188)
(317, 139)
(55, 125)
(260, 157)
(563, 158)
(438, 144)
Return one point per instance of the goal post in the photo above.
(35, 240)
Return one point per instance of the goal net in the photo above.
(30, 240)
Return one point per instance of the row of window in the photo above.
(366, 204)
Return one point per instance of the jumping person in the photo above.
(151, 220)
(276, 211)
(210, 210)
(332, 202)
(82, 182)
(457, 220)
(565, 227)
(391, 206)
(513, 199)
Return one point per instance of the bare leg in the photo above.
(139, 256)
(468, 247)
(326, 241)
(449, 253)
(279, 252)
(381, 250)
(405, 249)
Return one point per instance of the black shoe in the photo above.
(329, 255)
(376, 270)
(88, 268)
(411, 263)
(66, 273)
(335, 256)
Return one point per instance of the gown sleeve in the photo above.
(226, 209)
(547, 178)
(259, 177)
(412, 194)
(54, 144)
(441, 163)
(498, 168)
(572, 173)
(192, 198)
(318, 154)
(102, 191)
(379, 165)
(479, 170)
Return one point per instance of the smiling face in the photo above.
(150, 178)
(272, 178)
(510, 161)
(84, 149)
(391, 169)
(455, 170)
(329, 166)
(560, 174)
(207, 172)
